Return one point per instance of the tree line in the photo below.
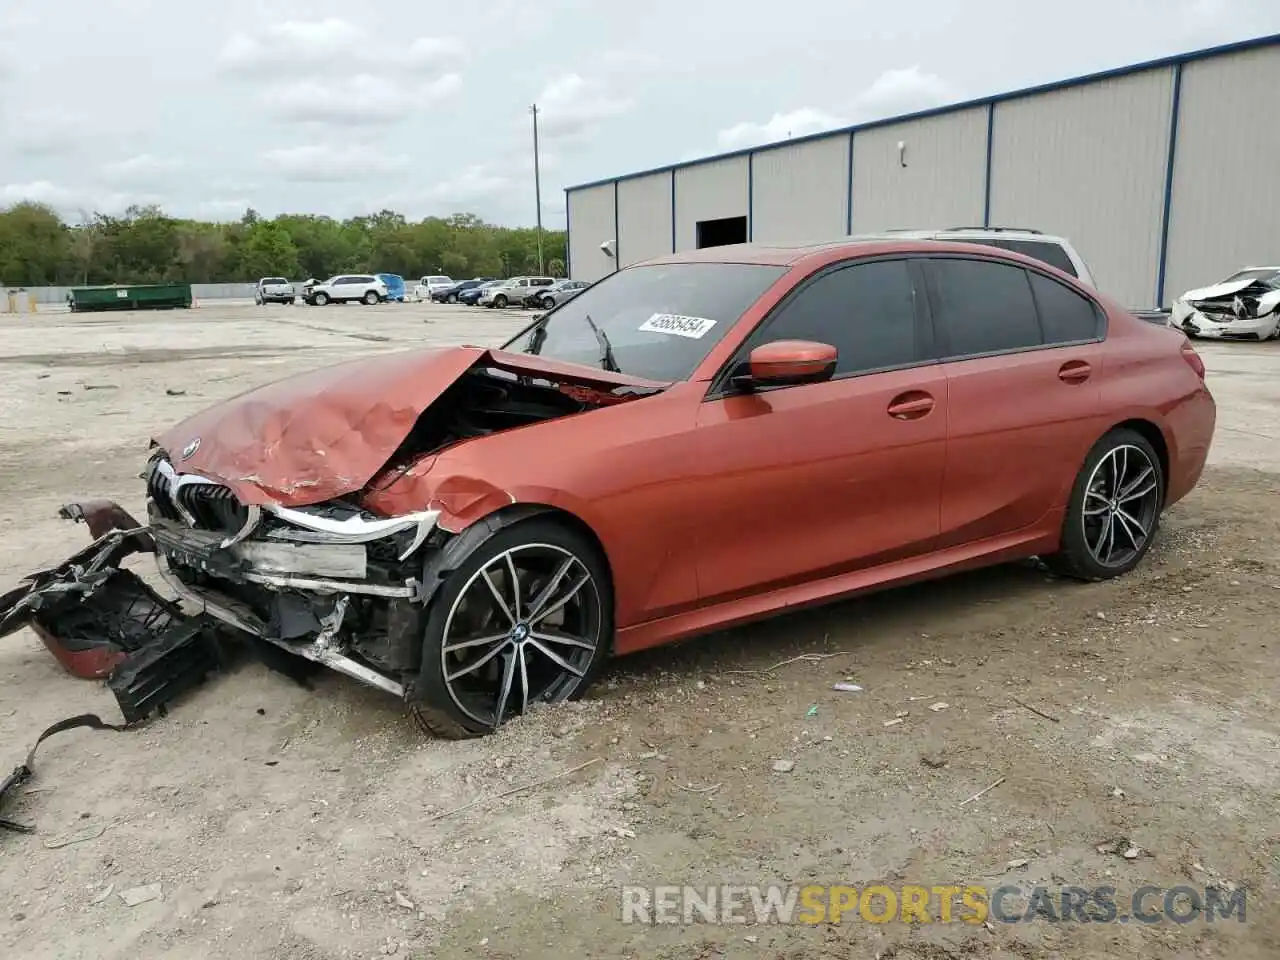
(145, 245)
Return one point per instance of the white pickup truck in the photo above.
(429, 285)
(274, 290)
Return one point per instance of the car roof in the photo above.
(815, 254)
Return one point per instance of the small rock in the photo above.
(894, 722)
(933, 762)
(751, 939)
(1145, 758)
(939, 706)
(1016, 864)
(1101, 615)
(499, 763)
(701, 685)
(1117, 793)
(783, 766)
(1131, 853)
(624, 833)
(99, 897)
(404, 901)
(175, 393)
(139, 895)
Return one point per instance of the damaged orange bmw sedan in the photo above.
(691, 443)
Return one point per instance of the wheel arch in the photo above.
(454, 552)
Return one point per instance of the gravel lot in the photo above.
(282, 823)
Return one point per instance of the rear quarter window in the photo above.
(1065, 316)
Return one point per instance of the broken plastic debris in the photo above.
(847, 688)
(138, 895)
(894, 722)
(812, 711)
(939, 706)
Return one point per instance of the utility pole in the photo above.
(537, 185)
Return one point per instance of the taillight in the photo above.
(1193, 359)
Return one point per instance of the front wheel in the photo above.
(452, 298)
(1114, 509)
(547, 303)
(321, 299)
(500, 301)
(526, 620)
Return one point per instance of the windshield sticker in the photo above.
(693, 327)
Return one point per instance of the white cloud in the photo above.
(333, 47)
(781, 126)
(365, 99)
(325, 162)
(571, 107)
(221, 210)
(904, 90)
(481, 180)
(629, 60)
(894, 92)
(37, 191)
(140, 169)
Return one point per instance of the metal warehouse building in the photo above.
(1165, 176)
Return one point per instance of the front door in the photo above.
(804, 482)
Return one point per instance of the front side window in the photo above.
(984, 307)
(867, 311)
(658, 322)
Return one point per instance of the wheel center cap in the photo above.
(520, 632)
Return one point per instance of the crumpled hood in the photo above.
(1223, 289)
(326, 433)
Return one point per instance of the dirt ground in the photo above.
(281, 823)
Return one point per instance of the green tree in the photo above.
(267, 251)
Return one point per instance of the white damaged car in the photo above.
(1245, 306)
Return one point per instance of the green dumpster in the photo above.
(143, 296)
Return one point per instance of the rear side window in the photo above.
(1050, 253)
(1065, 316)
(984, 307)
(867, 311)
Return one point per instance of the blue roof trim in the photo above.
(1177, 59)
(986, 187)
(568, 247)
(751, 187)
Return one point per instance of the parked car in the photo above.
(450, 294)
(274, 290)
(428, 285)
(1055, 251)
(472, 297)
(348, 288)
(1245, 306)
(476, 530)
(549, 297)
(513, 291)
(394, 284)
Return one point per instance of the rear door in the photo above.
(803, 482)
(1022, 355)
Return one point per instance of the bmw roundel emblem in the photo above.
(190, 449)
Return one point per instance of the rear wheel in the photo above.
(547, 303)
(452, 298)
(371, 297)
(527, 619)
(1114, 509)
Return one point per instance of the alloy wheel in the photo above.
(1121, 505)
(524, 629)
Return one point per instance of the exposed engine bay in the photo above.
(1244, 308)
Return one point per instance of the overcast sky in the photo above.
(348, 107)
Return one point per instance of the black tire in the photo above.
(371, 298)
(430, 697)
(293, 301)
(321, 299)
(547, 303)
(452, 298)
(1076, 557)
(500, 301)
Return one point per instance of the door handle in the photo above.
(1074, 371)
(911, 405)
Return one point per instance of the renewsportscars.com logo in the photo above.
(909, 903)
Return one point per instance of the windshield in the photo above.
(658, 322)
(1266, 276)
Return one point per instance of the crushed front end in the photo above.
(332, 583)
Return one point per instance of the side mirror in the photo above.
(788, 363)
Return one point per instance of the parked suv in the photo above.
(513, 291)
(348, 288)
(274, 290)
(1055, 251)
(429, 285)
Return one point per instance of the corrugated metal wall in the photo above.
(1226, 174)
(1089, 163)
(591, 223)
(800, 192)
(943, 183)
(708, 191)
(644, 217)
